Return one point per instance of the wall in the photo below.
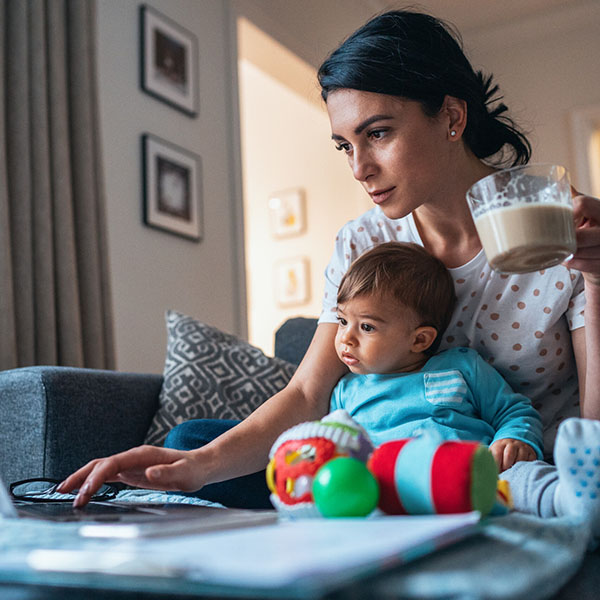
(547, 68)
(154, 271)
(309, 28)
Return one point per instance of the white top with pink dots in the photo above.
(519, 323)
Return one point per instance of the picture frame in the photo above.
(171, 182)
(292, 281)
(169, 61)
(287, 213)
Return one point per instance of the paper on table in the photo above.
(310, 553)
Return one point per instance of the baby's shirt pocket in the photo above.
(445, 388)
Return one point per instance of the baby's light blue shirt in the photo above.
(456, 394)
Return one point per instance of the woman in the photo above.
(419, 127)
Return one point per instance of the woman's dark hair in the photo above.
(416, 56)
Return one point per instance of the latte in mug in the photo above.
(524, 218)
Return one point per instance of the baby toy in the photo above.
(344, 487)
(329, 468)
(426, 475)
(299, 453)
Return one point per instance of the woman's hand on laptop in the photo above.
(145, 466)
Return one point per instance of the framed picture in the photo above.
(291, 282)
(287, 212)
(169, 61)
(171, 186)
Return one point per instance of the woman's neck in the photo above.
(445, 224)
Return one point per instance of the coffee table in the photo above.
(526, 556)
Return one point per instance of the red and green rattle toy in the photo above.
(329, 468)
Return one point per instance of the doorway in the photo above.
(298, 191)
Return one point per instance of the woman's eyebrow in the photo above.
(362, 126)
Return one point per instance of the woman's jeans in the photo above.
(249, 491)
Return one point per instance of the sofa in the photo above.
(55, 419)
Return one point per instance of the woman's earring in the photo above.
(452, 133)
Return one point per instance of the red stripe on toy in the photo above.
(451, 477)
(382, 465)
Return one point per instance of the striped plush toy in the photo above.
(425, 475)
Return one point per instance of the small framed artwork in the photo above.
(171, 188)
(291, 282)
(169, 61)
(287, 212)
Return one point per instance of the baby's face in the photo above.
(376, 335)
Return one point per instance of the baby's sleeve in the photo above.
(509, 413)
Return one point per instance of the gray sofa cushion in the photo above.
(210, 374)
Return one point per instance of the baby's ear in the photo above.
(423, 338)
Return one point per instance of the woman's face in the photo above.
(399, 154)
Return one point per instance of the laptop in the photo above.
(113, 519)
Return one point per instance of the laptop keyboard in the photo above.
(52, 497)
(109, 512)
(66, 512)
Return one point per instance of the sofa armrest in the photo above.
(55, 419)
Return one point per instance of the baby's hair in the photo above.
(410, 276)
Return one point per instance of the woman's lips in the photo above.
(379, 196)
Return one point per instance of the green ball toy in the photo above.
(344, 487)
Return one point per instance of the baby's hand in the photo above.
(507, 452)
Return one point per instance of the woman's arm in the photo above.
(242, 450)
(586, 340)
(245, 448)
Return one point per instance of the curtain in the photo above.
(55, 306)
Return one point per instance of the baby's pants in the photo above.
(533, 486)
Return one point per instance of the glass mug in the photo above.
(524, 217)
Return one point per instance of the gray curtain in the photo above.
(55, 306)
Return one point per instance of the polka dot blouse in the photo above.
(520, 324)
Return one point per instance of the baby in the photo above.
(393, 305)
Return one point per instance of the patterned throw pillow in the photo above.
(210, 374)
